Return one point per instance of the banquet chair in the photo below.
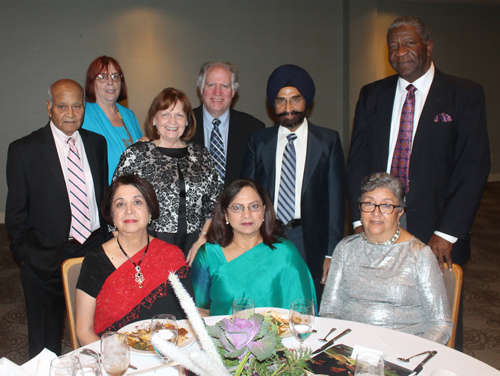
(453, 283)
(70, 273)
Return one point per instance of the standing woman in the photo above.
(183, 174)
(104, 87)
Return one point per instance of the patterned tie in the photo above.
(217, 149)
(400, 166)
(80, 222)
(286, 196)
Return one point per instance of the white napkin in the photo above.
(8, 368)
(358, 349)
(40, 364)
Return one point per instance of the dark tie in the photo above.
(80, 221)
(286, 195)
(400, 166)
(217, 149)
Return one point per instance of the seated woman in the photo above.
(125, 280)
(385, 276)
(246, 256)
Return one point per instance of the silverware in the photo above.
(406, 360)
(420, 367)
(330, 332)
(330, 343)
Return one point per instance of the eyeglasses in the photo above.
(237, 208)
(103, 77)
(294, 101)
(369, 207)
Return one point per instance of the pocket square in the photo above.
(444, 117)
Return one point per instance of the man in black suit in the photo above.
(218, 83)
(311, 202)
(449, 156)
(45, 222)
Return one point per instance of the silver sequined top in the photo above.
(395, 286)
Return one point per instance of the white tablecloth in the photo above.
(394, 344)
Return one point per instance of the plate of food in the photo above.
(139, 336)
(280, 317)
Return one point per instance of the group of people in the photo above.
(239, 210)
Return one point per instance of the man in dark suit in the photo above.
(218, 83)
(448, 157)
(46, 171)
(310, 200)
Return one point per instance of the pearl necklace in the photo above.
(391, 241)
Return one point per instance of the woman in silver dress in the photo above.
(385, 276)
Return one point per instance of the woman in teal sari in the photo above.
(246, 255)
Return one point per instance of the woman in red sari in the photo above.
(125, 280)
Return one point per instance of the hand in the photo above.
(442, 250)
(194, 250)
(326, 268)
(143, 139)
(358, 230)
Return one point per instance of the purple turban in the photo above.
(290, 75)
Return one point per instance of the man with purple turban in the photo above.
(301, 166)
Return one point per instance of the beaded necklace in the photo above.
(139, 277)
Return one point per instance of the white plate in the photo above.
(281, 311)
(144, 324)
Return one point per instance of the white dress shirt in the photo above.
(223, 128)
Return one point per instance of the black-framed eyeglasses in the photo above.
(369, 207)
(103, 77)
(238, 208)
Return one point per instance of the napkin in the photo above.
(40, 364)
(8, 368)
(358, 349)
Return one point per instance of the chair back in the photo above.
(70, 273)
(453, 283)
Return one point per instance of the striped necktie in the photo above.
(400, 166)
(286, 195)
(80, 221)
(217, 149)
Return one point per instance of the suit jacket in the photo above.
(241, 125)
(38, 213)
(449, 163)
(322, 201)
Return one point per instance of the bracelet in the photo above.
(202, 233)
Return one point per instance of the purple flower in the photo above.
(240, 332)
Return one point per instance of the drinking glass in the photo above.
(301, 319)
(115, 353)
(89, 361)
(243, 308)
(65, 365)
(369, 364)
(164, 326)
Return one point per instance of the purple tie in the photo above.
(400, 166)
(80, 222)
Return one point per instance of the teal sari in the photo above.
(270, 277)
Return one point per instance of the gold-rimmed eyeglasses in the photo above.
(238, 208)
(103, 77)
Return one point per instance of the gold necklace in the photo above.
(244, 249)
(130, 140)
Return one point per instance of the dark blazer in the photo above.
(241, 125)
(38, 213)
(449, 163)
(323, 201)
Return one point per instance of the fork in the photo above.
(330, 332)
(406, 360)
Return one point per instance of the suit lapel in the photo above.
(269, 160)
(383, 127)
(232, 145)
(314, 149)
(91, 153)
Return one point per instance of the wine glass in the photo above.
(89, 360)
(164, 326)
(369, 364)
(301, 319)
(243, 308)
(115, 353)
(65, 365)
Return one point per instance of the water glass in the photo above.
(89, 362)
(301, 319)
(65, 365)
(115, 353)
(164, 326)
(243, 308)
(369, 364)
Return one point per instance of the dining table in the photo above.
(392, 343)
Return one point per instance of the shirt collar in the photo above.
(208, 119)
(60, 136)
(301, 131)
(423, 84)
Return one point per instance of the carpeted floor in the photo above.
(481, 292)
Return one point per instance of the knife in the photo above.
(330, 343)
(420, 367)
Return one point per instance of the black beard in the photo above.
(297, 119)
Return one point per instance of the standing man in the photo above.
(56, 178)
(221, 129)
(301, 166)
(428, 129)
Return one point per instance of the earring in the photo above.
(227, 222)
(149, 220)
(154, 125)
(112, 228)
(263, 219)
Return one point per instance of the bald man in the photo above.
(56, 177)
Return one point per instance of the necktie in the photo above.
(286, 195)
(400, 166)
(217, 149)
(80, 221)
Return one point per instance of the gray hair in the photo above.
(235, 84)
(411, 21)
(387, 181)
(51, 98)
